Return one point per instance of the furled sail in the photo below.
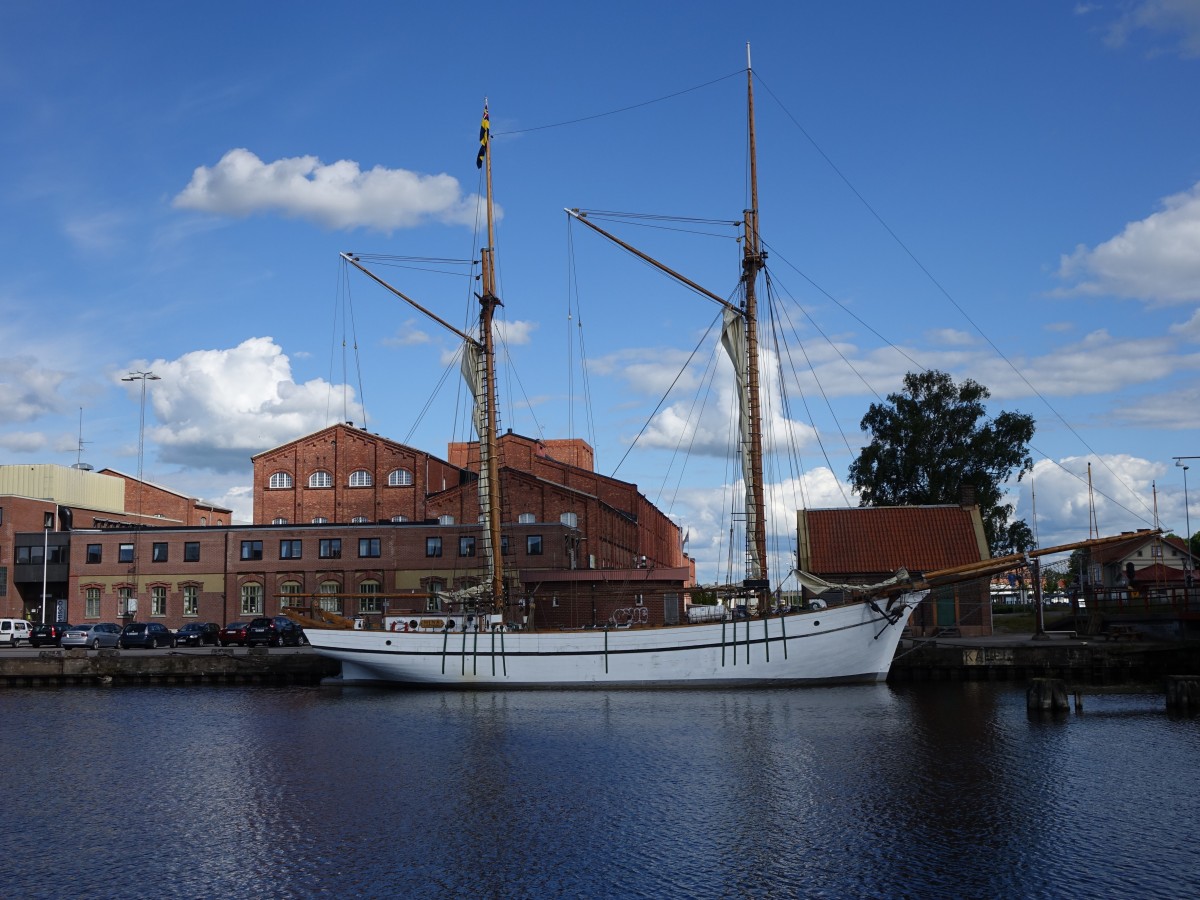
(733, 339)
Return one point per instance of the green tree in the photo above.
(932, 440)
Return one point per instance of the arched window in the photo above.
(526, 519)
(361, 478)
(281, 480)
(445, 520)
(279, 520)
(252, 599)
(400, 478)
(331, 603)
(570, 519)
(359, 520)
(286, 590)
(320, 520)
(320, 479)
(400, 518)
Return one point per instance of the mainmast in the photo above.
(489, 463)
(752, 264)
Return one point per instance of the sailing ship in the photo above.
(484, 646)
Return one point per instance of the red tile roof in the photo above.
(881, 540)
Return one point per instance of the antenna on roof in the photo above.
(79, 463)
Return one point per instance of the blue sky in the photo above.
(1006, 191)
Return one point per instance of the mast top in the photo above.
(748, 66)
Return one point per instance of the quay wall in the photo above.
(1075, 661)
(111, 667)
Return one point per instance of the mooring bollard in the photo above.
(1183, 691)
(1046, 694)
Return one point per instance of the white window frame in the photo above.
(280, 480)
(320, 479)
(91, 603)
(158, 600)
(251, 596)
(191, 600)
(526, 519)
(361, 478)
(400, 478)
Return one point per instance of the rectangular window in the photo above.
(368, 548)
(58, 554)
(504, 545)
(124, 597)
(158, 552)
(466, 546)
(533, 545)
(191, 551)
(330, 548)
(434, 603)
(158, 601)
(433, 546)
(125, 553)
(191, 600)
(91, 609)
(94, 553)
(290, 549)
(27, 556)
(251, 550)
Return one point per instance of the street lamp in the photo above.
(47, 524)
(143, 377)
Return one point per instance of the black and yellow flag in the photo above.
(485, 129)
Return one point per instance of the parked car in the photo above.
(233, 633)
(97, 635)
(274, 632)
(48, 633)
(147, 635)
(13, 631)
(198, 634)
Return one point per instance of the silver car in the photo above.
(102, 634)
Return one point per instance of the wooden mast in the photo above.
(752, 264)
(489, 464)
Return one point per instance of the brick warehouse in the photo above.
(361, 524)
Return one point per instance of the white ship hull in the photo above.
(845, 644)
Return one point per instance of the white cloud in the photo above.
(24, 441)
(28, 389)
(216, 408)
(1156, 259)
(407, 335)
(1122, 490)
(950, 337)
(336, 195)
(514, 332)
(1176, 19)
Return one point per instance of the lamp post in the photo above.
(1187, 524)
(143, 377)
(47, 524)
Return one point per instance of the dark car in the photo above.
(48, 633)
(233, 633)
(147, 635)
(198, 634)
(274, 632)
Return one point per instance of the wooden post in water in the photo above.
(1046, 694)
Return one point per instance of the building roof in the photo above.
(1119, 551)
(880, 540)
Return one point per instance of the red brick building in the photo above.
(361, 525)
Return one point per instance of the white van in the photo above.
(12, 631)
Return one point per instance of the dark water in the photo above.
(914, 791)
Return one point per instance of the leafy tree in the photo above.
(928, 443)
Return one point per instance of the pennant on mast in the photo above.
(485, 130)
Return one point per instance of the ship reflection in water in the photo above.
(921, 790)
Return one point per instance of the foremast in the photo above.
(479, 371)
(485, 394)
